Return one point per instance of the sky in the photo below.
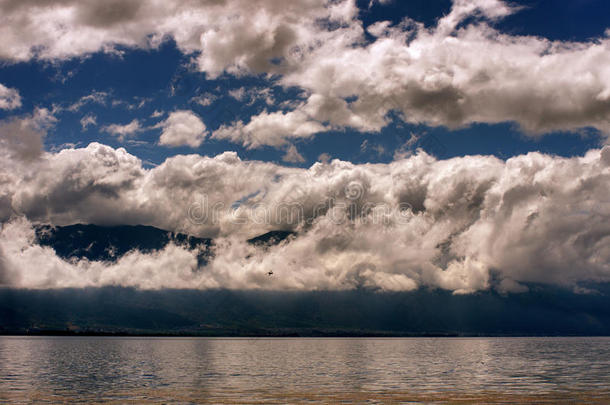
(460, 145)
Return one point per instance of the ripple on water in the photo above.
(99, 369)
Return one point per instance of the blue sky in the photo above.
(140, 82)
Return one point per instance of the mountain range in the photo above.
(542, 310)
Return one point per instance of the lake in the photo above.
(234, 370)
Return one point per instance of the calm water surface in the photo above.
(100, 369)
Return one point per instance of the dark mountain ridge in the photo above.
(108, 243)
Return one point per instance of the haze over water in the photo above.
(118, 369)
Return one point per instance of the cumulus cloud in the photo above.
(28, 265)
(182, 128)
(22, 137)
(273, 129)
(458, 72)
(462, 224)
(123, 131)
(9, 98)
(21, 143)
(235, 34)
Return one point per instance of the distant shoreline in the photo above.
(118, 311)
(296, 334)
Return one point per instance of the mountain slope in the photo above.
(108, 243)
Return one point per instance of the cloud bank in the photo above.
(463, 224)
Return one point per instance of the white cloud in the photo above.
(9, 98)
(123, 131)
(324, 157)
(96, 97)
(450, 75)
(458, 72)
(87, 120)
(292, 155)
(273, 129)
(462, 224)
(182, 127)
(27, 265)
(250, 95)
(238, 94)
(236, 33)
(204, 99)
(454, 75)
(22, 137)
(365, 146)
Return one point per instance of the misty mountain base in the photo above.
(115, 310)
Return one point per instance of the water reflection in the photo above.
(191, 369)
